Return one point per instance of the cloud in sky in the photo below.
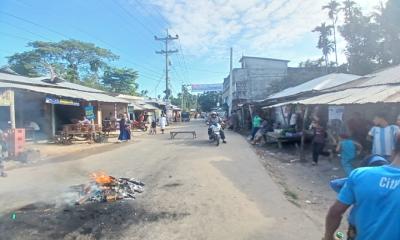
(253, 26)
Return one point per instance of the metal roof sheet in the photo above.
(317, 84)
(363, 95)
(41, 81)
(63, 92)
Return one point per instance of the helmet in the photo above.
(214, 113)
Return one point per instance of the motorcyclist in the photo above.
(214, 119)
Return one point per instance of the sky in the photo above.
(206, 29)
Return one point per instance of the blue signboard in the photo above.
(89, 113)
(217, 87)
(61, 101)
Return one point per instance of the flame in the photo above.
(101, 177)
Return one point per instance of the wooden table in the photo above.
(278, 138)
(91, 132)
(174, 133)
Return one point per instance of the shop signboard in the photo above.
(336, 113)
(89, 112)
(5, 98)
(207, 87)
(61, 101)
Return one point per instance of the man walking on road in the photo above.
(163, 123)
(383, 136)
(375, 193)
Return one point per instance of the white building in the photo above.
(252, 81)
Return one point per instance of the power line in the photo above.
(166, 52)
(33, 23)
(15, 36)
(26, 30)
(63, 35)
(135, 18)
(144, 8)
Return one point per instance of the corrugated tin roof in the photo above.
(317, 84)
(41, 81)
(389, 75)
(157, 101)
(129, 97)
(372, 94)
(63, 92)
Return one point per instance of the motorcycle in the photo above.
(215, 133)
(139, 125)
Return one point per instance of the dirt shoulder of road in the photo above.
(304, 185)
(44, 153)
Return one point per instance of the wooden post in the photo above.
(12, 108)
(283, 116)
(53, 121)
(303, 136)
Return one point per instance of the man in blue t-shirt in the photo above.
(375, 192)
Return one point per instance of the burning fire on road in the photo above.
(106, 188)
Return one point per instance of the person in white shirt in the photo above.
(163, 123)
(383, 136)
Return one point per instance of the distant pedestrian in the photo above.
(153, 128)
(124, 130)
(163, 123)
(318, 143)
(348, 150)
(383, 136)
(256, 123)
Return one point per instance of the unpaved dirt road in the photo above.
(194, 190)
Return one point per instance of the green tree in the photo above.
(189, 100)
(209, 100)
(349, 9)
(333, 12)
(121, 80)
(324, 42)
(144, 93)
(362, 36)
(72, 59)
(388, 20)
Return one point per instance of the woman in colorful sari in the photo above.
(124, 132)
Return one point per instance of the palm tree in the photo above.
(348, 9)
(324, 43)
(333, 10)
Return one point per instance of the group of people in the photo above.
(382, 135)
(371, 191)
(163, 124)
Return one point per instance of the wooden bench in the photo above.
(174, 133)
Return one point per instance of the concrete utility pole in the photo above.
(230, 99)
(165, 52)
(182, 100)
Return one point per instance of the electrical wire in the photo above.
(80, 30)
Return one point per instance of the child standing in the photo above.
(348, 150)
(153, 129)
